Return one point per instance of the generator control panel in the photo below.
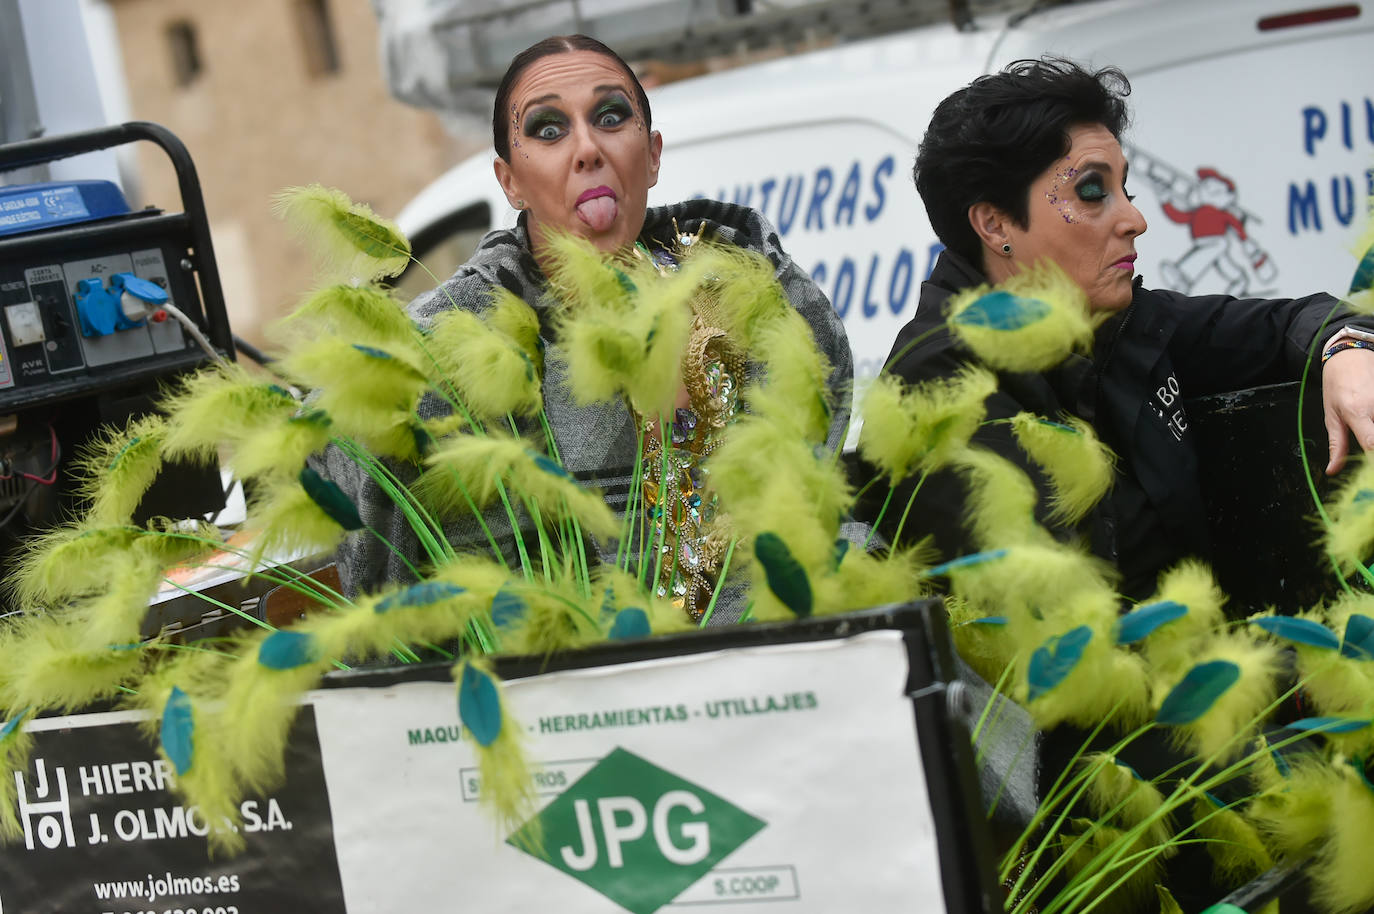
(87, 284)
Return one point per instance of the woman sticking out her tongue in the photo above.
(576, 154)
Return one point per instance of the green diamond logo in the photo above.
(637, 834)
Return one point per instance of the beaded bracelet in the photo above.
(1343, 345)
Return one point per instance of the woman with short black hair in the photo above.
(1025, 166)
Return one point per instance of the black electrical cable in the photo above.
(18, 506)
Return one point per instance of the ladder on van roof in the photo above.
(476, 40)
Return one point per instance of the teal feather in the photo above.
(1143, 620)
(286, 650)
(786, 576)
(1359, 637)
(1197, 692)
(989, 620)
(1300, 631)
(178, 730)
(331, 499)
(1329, 724)
(548, 465)
(422, 594)
(507, 608)
(12, 725)
(1056, 659)
(630, 623)
(964, 561)
(1001, 310)
(373, 352)
(479, 705)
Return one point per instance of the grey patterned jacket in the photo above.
(597, 442)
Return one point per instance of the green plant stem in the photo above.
(897, 534)
(720, 582)
(873, 528)
(1317, 340)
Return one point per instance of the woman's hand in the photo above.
(1348, 398)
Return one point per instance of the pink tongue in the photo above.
(599, 212)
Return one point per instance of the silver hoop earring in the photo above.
(1006, 249)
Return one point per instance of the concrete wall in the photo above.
(256, 119)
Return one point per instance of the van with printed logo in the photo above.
(1251, 149)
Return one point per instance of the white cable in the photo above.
(191, 328)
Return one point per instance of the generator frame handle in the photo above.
(49, 149)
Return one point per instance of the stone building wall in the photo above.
(252, 94)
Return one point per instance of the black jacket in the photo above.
(1145, 361)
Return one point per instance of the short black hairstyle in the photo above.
(558, 44)
(991, 139)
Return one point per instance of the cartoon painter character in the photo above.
(1220, 241)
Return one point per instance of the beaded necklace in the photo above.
(690, 534)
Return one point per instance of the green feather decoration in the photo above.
(217, 407)
(510, 316)
(369, 393)
(116, 468)
(786, 577)
(631, 624)
(1350, 535)
(1216, 705)
(507, 782)
(469, 466)
(287, 650)
(66, 561)
(178, 731)
(924, 427)
(290, 521)
(48, 663)
(622, 343)
(1116, 794)
(16, 744)
(358, 312)
(479, 705)
(1031, 322)
(1198, 691)
(794, 394)
(350, 240)
(1054, 660)
(330, 499)
(1238, 853)
(493, 374)
(1080, 467)
(281, 447)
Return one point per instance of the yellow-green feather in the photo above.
(1117, 795)
(1232, 720)
(370, 397)
(469, 466)
(1238, 853)
(908, 429)
(1079, 466)
(1040, 345)
(117, 466)
(508, 790)
(218, 405)
(1350, 535)
(491, 372)
(365, 313)
(350, 241)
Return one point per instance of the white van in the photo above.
(1260, 111)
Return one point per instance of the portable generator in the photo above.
(93, 296)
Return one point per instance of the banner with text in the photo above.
(781, 778)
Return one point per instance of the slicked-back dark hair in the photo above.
(558, 44)
(990, 140)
